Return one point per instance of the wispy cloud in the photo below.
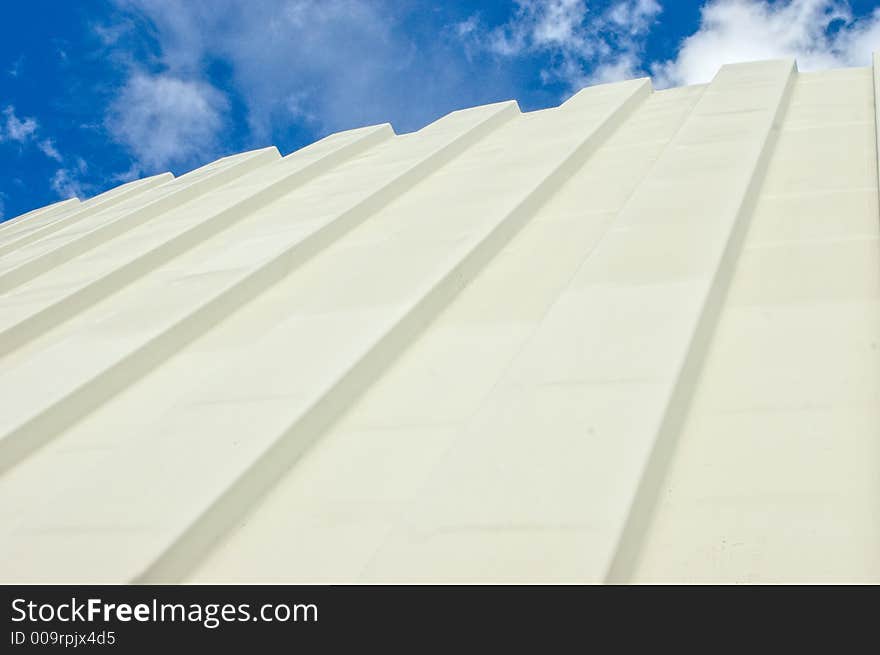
(47, 147)
(581, 46)
(67, 182)
(15, 128)
(300, 66)
(337, 59)
(585, 45)
(165, 120)
(26, 132)
(819, 33)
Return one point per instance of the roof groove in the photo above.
(99, 287)
(774, 468)
(656, 463)
(37, 215)
(85, 394)
(876, 70)
(36, 223)
(81, 243)
(460, 320)
(83, 211)
(254, 481)
(516, 454)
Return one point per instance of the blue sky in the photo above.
(96, 93)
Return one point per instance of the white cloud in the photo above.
(542, 24)
(15, 128)
(637, 17)
(25, 131)
(67, 182)
(820, 34)
(315, 66)
(47, 147)
(165, 120)
(467, 27)
(586, 46)
(338, 57)
(625, 66)
(132, 173)
(583, 47)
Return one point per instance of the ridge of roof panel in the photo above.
(32, 260)
(63, 293)
(11, 224)
(39, 229)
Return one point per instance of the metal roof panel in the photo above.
(630, 338)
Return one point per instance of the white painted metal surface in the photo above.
(632, 338)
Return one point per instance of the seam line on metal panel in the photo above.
(79, 245)
(605, 234)
(83, 212)
(238, 498)
(85, 297)
(52, 210)
(876, 70)
(78, 403)
(643, 504)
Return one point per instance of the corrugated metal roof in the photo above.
(631, 338)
